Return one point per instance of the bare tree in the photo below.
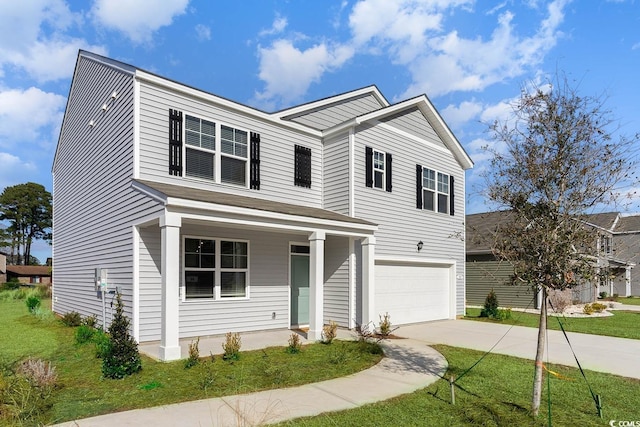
(558, 157)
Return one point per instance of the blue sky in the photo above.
(470, 57)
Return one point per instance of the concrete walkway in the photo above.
(612, 355)
(409, 365)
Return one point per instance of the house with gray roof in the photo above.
(209, 216)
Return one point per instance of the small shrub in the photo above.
(616, 295)
(84, 334)
(295, 345)
(72, 319)
(38, 372)
(90, 321)
(10, 285)
(587, 309)
(560, 300)
(364, 332)
(102, 342)
(598, 308)
(231, 346)
(33, 302)
(504, 314)
(490, 305)
(22, 400)
(194, 354)
(329, 332)
(122, 357)
(603, 295)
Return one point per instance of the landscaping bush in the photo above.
(295, 345)
(72, 319)
(329, 332)
(385, 328)
(84, 334)
(122, 357)
(90, 321)
(603, 295)
(194, 354)
(598, 308)
(10, 285)
(504, 314)
(231, 346)
(490, 306)
(560, 300)
(33, 302)
(102, 342)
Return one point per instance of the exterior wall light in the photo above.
(420, 245)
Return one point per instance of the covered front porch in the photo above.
(212, 263)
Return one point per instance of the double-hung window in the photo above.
(233, 167)
(215, 268)
(435, 191)
(200, 139)
(378, 169)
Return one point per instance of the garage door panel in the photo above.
(411, 293)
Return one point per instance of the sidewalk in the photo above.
(409, 365)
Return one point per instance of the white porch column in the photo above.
(170, 259)
(368, 280)
(627, 281)
(316, 284)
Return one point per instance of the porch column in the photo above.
(368, 280)
(627, 281)
(170, 259)
(316, 284)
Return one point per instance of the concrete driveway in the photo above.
(619, 356)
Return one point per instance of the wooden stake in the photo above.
(453, 389)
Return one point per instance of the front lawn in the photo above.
(623, 324)
(82, 392)
(627, 300)
(497, 392)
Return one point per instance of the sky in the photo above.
(471, 58)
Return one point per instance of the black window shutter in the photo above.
(388, 161)
(368, 155)
(451, 196)
(254, 164)
(302, 166)
(418, 186)
(175, 142)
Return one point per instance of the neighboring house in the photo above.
(29, 274)
(209, 216)
(625, 248)
(486, 272)
(3, 268)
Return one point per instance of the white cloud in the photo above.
(139, 19)
(203, 32)
(278, 26)
(29, 115)
(289, 71)
(456, 116)
(14, 170)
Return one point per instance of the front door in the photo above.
(299, 285)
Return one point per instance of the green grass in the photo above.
(623, 324)
(497, 392)
(627, 300)
(82, 392)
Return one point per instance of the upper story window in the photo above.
(213, 151)
(378, 169)
(605, 244)
(434, 190)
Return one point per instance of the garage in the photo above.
(413, 293)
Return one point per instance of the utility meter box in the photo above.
(101, 279)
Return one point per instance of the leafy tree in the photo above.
(122, 357)
(558, 157)
(27, 208)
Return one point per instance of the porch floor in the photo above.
(250, 341)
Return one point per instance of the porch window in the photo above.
(199, 268)
(215, 268)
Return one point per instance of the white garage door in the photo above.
(412, 293)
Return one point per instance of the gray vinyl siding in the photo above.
(336, 276)
(401, 225)
(331, 115)
(94, 205)
(336, 174)
(412, 121)
(150, 280)
(484, 274)
(276, 148)
(627, 248)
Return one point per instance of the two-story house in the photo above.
(209, 216)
